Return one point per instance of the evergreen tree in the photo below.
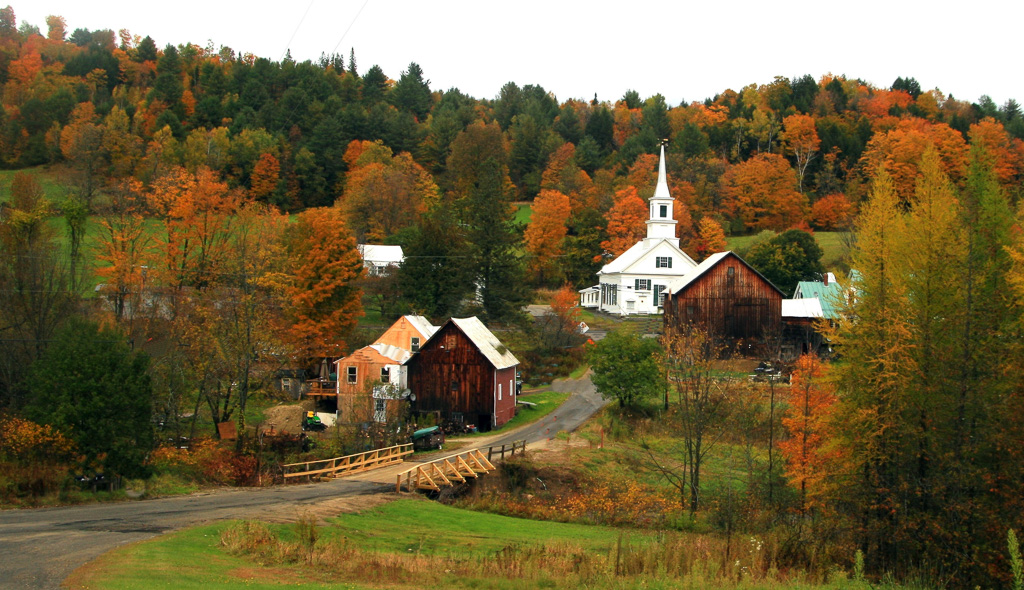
(412, 92)
(90, 384)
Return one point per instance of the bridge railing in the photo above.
(349, 463)
(457, 468)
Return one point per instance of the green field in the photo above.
(421, 544)
(834, 251)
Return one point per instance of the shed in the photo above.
(464, 373)
(727, 297)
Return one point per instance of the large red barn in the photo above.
(726, 297)
(464, 373)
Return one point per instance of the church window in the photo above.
(664, 210)
(663, 262)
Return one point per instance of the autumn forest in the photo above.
(205, 206)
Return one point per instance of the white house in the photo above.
(633, 283)
(377, 257)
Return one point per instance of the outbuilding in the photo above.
(464, 374)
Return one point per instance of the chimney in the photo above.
(826, 279)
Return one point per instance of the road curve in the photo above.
(40, 547)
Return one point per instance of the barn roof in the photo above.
(829, 295)
(488, 344)
(399, 355)
(422, 325)
(709, 263)
(802, 308)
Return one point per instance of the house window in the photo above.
(351, 371)
(415, 344)
(664, 210)
(385, 375)
(380, 410)
(659, 295)
(663, 262)
(643, 284)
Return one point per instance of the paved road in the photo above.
(39, 548)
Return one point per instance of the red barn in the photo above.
(466, 374)
(727, 297)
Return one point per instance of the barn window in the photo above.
(455, 386)
(730, 273)
(690, 311)
(385, 375)
(499, 392)
(351, 371)
(450, 341)
(415, 344)
(643, 284)
(663, 262)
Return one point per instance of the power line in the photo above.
(292, 38)
(343, 35)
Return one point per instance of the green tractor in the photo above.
(311, 422)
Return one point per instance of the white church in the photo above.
(633, 283)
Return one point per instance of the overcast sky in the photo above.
(683, 50)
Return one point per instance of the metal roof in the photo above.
(488, 344)
(802, 308)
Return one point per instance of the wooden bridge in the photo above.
(339, 466)
(458, 468)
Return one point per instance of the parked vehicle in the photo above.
(312, 422)
(426, 439)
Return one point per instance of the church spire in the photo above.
(661, 224)
(661, 191)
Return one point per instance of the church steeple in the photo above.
(661, 224)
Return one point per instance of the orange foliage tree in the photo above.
(1003, 153)
(710, 238)
(384, 194)
(197, 211)
(800, 139)
(546, 231)
(810, 398)
(265, 176)
(322, 298)
(762, 193)
(899, 151)
(625, 221)
(124, 247)
(832, 213)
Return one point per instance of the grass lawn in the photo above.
(523, 213)
(192, 558)
(833, 249)
(414, 543)
(546, 402)
(52, 189)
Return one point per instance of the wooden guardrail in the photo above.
(510, 448)
(339, 466)
(454, 468)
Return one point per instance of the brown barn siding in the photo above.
(451, 358)
(743, 305)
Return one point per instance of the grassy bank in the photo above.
(422, 544)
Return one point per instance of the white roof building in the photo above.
(633, 283)
(377, 257)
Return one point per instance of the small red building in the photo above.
(464, 373)
(726, 297)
